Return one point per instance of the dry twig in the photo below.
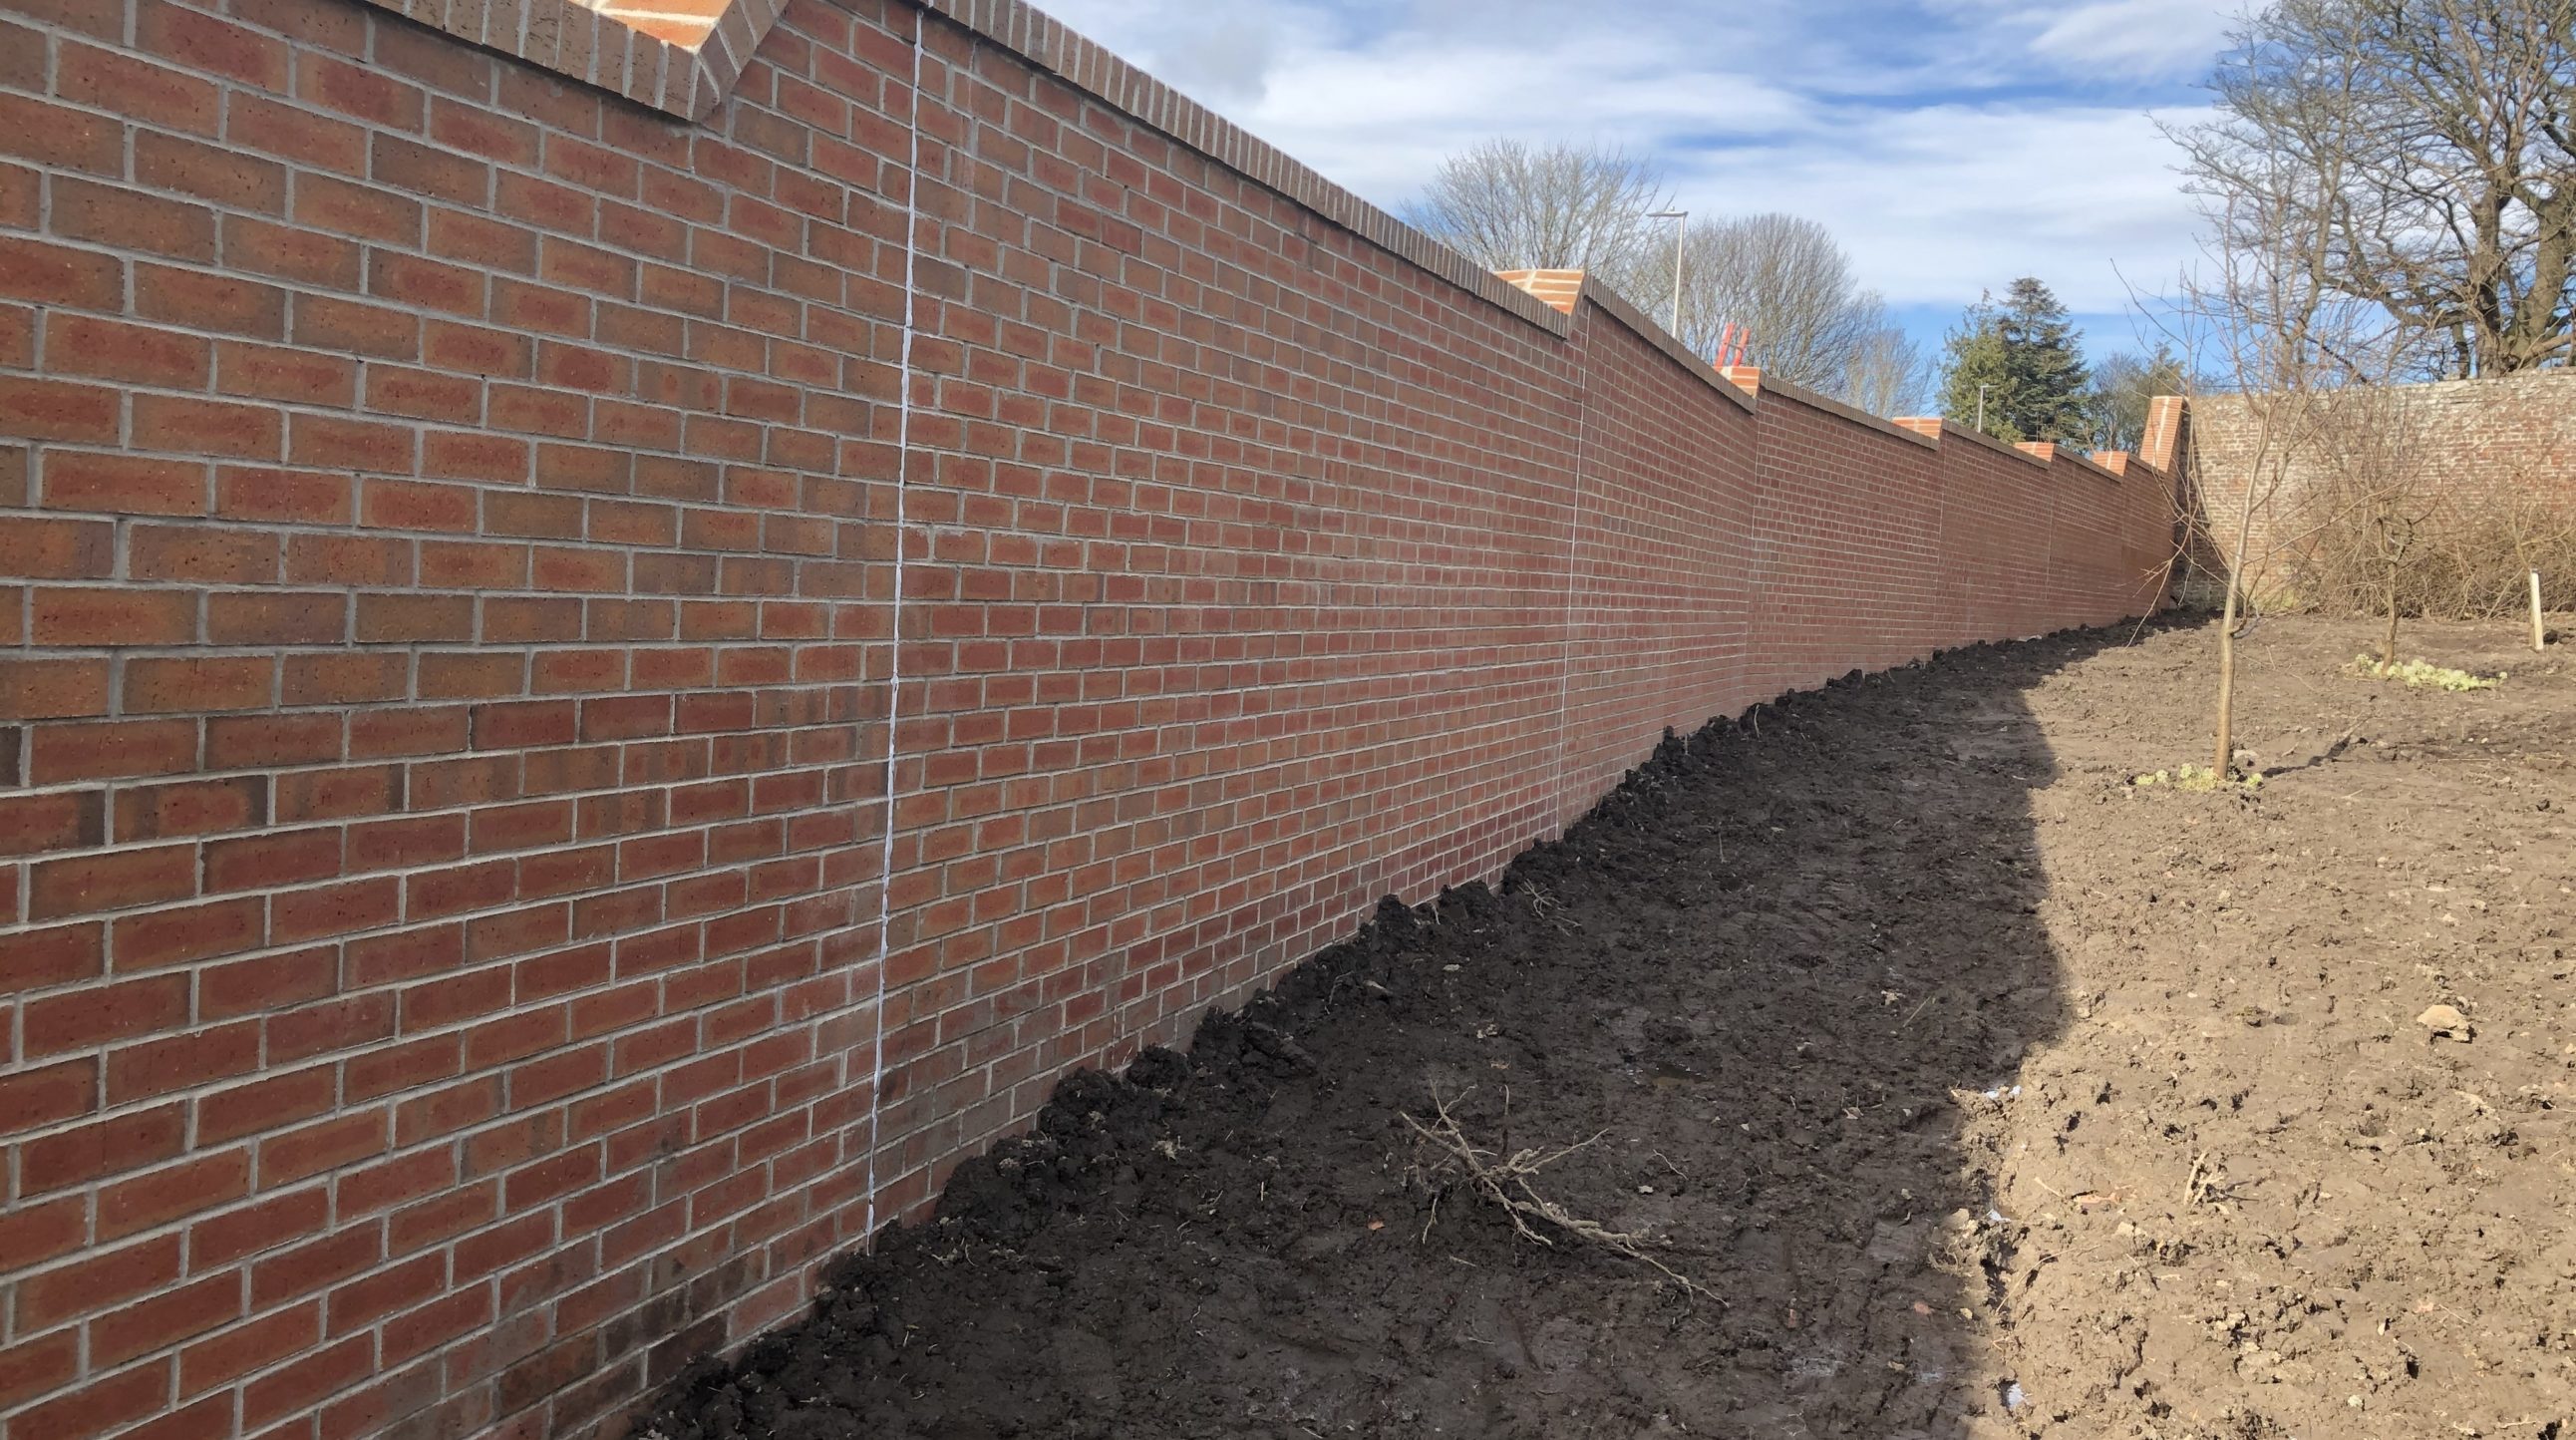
(1504, 1180)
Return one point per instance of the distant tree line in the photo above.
(1789, 291)
(1783, 282)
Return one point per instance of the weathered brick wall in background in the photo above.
(470, 572)
(2464, 450)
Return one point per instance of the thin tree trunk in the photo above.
(2225, 764)
(2227, 682)
(2388, 642)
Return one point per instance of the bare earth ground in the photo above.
(1974, 1092)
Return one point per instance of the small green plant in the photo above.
(2423, 674)
(2195, 779)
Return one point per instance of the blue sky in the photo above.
(1950, 144)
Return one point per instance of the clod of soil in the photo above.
(1974, 1091)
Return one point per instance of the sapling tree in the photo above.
(2369, 504)
(2283, 348)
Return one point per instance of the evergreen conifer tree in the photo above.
(2024, 354)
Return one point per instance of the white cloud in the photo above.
(1945, 164)
(2163, 37)
(1218, 53)
(1939, 203)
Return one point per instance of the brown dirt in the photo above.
(1980, 1094)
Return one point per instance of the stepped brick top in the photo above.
(677, 56)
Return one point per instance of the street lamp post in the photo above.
(1981, 407)
(1679, 219)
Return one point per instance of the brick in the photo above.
(416, 169)
(106, 615)
(35, 1232)
(285, 617)
(382, 619)
(291, 252)
(307, 1382)
(101, 1406)
(165, 1319)
(370, 1298)
(363, 329)
(194, 807)
(50, 134)
(343, 678)
(123, 484)
(147, 1202)
(365, 211)
(126, 219)
(56, 820)
(287, 857)
(187, 935)
(358, 92)
(114, 350)
(48, 1095)
(111, 749)
(221, 427)
(214, 173)
(59, 410)
(206, 44)
(273, 982)
(91, 1152)
(233, 682)
(206, 301)
(245, 741)
(420, 55)
(237, 1351)
(314, 1149)
(36, 548)
(52, 689)
(341, 32)
(261, 1105)
(304, 497)
(201, 554)
(253, 122)
(115, 881)
(207, 1416)
(33, 1367)
(414, 281)
(423, 395)
(132, 86)
(56, 956)
(269, 1224)
(431, 730)
(327, 441)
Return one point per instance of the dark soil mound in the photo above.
(1767, 974)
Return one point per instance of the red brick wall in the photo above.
(462, 540)
(1845, 539)
(1658, 631)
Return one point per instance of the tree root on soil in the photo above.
(1504, 1181)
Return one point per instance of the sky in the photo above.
(1951, 145)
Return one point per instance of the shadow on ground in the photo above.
(1775, 975)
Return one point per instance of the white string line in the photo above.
(894, 675)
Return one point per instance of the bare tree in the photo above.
(1511, 205)
(2124, 387)
(2366, 506)
(2417, 156)
(1780, 280)
(2260, 313)
(1888, 374)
